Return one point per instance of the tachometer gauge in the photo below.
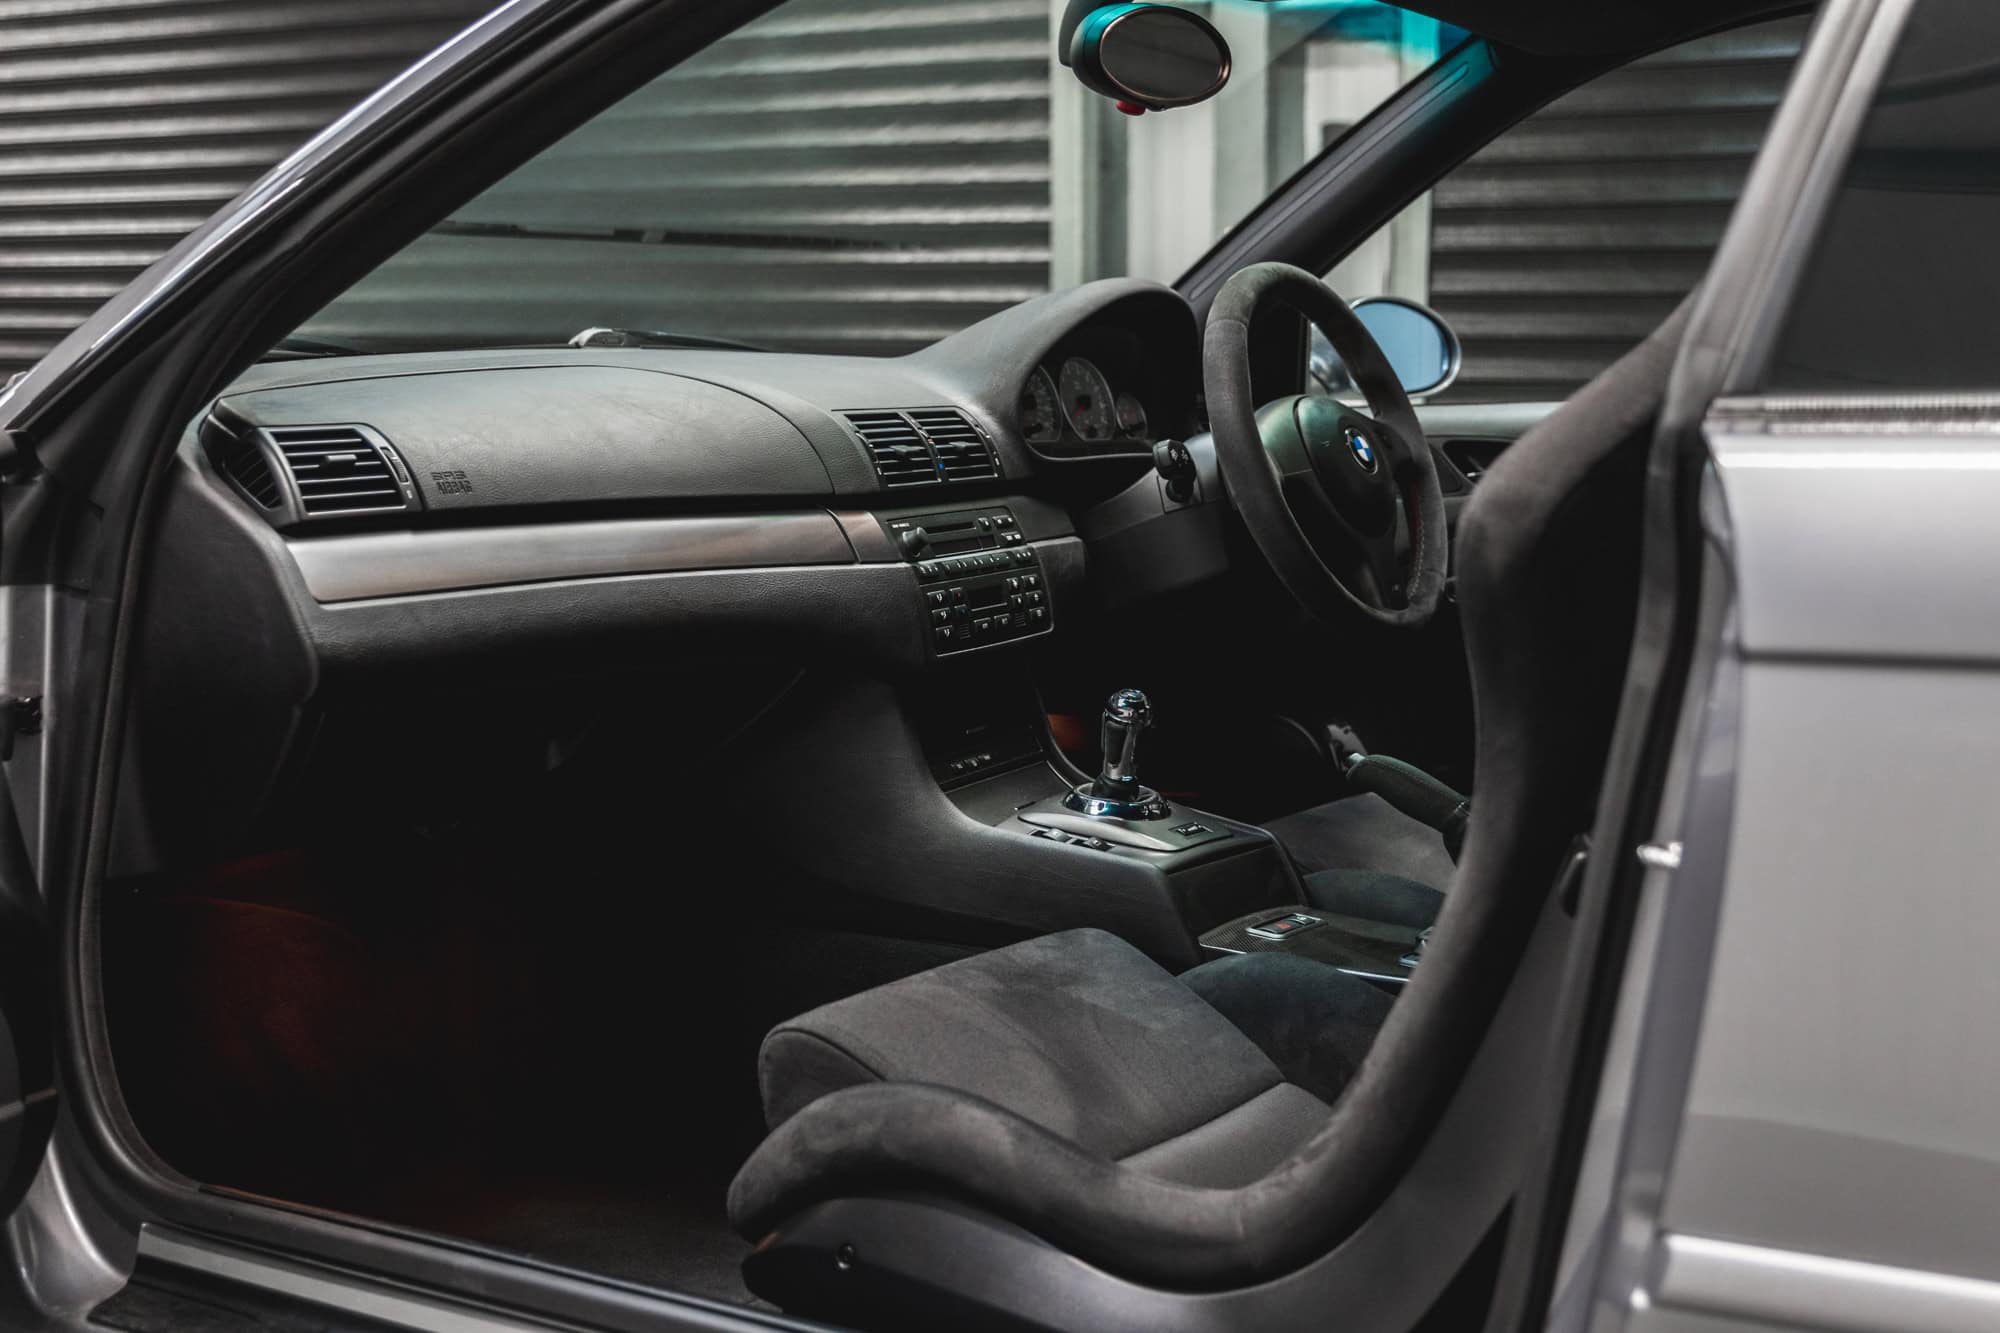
(1131, 417)
(1040, 411)
(1086, 397)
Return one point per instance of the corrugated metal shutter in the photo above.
(125, 123)
(844, 175)
(1570, 237)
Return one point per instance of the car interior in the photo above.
(1074, 825)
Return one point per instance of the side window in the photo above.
(1574, 234)
(1900, 291)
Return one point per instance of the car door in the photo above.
(31, 614)
(27, 1074)
(1779, 1139)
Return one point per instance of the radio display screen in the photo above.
(984, 595)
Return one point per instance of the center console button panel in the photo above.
(981, 581)
(1056, 835)
(1142, 835)
(1284, 927)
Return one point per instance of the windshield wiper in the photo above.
(670, 236)
(305, 347)
(603, 337)
(299, 347)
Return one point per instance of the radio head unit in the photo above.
(929, 536)
(979, 577)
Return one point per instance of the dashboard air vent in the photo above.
(1472, 456)
(897, 447)
(241, 459)
(338, 470)
(962, 452)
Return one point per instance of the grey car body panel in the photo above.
(1818, 582)
(1837, 1104)
(1760, 1287)
(1831, 1160)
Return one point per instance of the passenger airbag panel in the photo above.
(560, 435)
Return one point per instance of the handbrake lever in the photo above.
(1414, 792)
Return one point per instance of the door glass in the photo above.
(1572, 236)
(1901, 291)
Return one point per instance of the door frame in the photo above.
(1633, 996)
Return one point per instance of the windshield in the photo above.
(867, 176)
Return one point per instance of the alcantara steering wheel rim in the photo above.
(1345, 506)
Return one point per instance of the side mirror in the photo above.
(1420, 346)
(1145, 57)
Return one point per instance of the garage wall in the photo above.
(125, 123)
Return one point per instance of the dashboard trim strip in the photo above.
(361, 566)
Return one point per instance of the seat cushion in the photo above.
(1079, 1033)
(1065, 1068)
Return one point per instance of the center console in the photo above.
(1115, 806)
(1208, 862)
(936, 806)
(1120, 842)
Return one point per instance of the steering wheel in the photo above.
(1344, 505)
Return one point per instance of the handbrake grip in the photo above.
(1414, 792)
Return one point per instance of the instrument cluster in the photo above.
(1076, 401)
(1115, 386)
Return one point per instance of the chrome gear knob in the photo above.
(1116, 792)
(1126, 714)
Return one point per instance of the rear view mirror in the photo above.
(1421, 347)
(1145, 57)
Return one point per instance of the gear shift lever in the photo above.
(1116, 792)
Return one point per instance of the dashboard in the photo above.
(418, 442)
(347, 533)
(405, 560)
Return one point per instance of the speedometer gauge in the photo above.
(1086, 397)
(1131, 417)
(1040, 410)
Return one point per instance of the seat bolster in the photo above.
(1243, 1144)
(889, 1138)
(796, 1068)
